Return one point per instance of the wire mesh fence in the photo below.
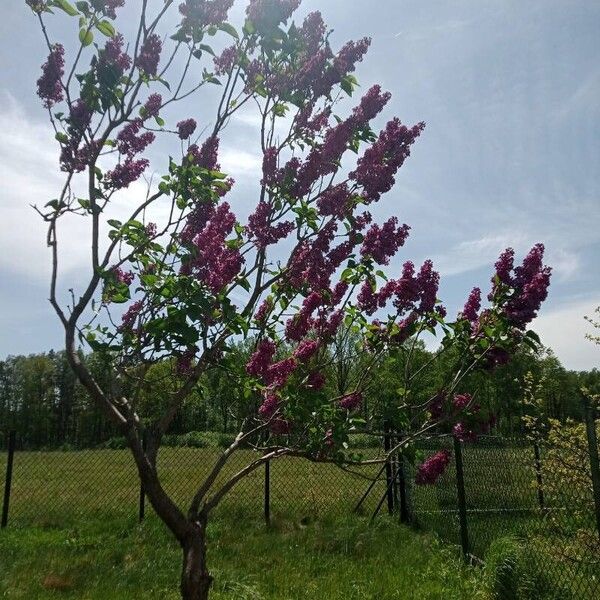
(514, 490)
(543, 496)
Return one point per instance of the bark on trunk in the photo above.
(195, 578)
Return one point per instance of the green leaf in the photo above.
(159, 121)
(85, 37)
(230, 29)
(106, 28)
(114, 223)
(63, 138)
(207, 48)
(68, 8)
(165, 83)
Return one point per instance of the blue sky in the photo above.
(510, 92)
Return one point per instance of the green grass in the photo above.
(328, 559)
(62, 488)
(91, 498)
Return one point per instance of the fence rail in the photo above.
(492, 488)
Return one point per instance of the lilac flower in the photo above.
(225, 61)
(121, 276)
(149, 54)
(306, 349)
(114, 56)
(350, 401)
(130, 142)
(129, 317)
(472, 306)
(263, 310)
(49, 85)
(152, 106)
(214, 262)
(261, 358)
(381, 243)
(207, 156)
(431, 470)
(334, 200)
(203, 13)
(269, 405)
(377, 167)
(186, 128)
(316, 380)
(126, 173)
(260, 227)
(278, 373)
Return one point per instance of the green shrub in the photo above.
(511, 573)
(113, 443)
(361, 440)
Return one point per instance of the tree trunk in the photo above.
(195, 578)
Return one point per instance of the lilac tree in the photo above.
(307, 263)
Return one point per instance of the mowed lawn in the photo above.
(73, 533)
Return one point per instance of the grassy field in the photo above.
(62, 488)
(87, 501)
(334, 559)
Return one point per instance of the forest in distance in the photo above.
(42, 401)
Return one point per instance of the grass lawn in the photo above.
(330, 559)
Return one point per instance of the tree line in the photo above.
(42, 400)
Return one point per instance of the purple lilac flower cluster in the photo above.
(225, 61)
(206, 156)
(114, 56)
(49, 85)
(130, 316)
(266, 14)
(381, 243)
(186, 128)
(306, 349)
(410, 292)
(472, 306)
(433, 468)
(260, 226)
(152, 106)
(213, 262)
(377, 168)
(129, 140)
(350, 401)
(261, 358)
(203, 13)
(149, 55)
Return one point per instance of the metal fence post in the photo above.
(590, 425)
(8, 480)
(404, 514)
(389, 474)
(267, 506)
(142, 502)
(462, 502)
(538, 475)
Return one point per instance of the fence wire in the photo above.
(543, 497)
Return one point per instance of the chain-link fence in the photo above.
(547, 497)
(59, 488)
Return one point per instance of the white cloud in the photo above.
(240, 162)
(30, 175)
(473, 254)
(563, 329)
